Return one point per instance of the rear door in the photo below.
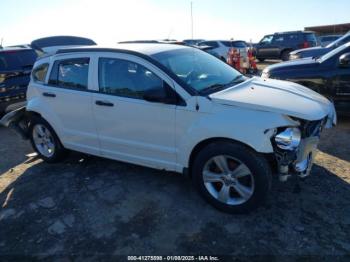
(67, 103)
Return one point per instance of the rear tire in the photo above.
(45, 141)
(244, 185)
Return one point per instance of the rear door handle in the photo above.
(103, 103)
(49, 94)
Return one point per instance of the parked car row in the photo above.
(328, 75)
(280, 45)
(319, 51)
(16, 63)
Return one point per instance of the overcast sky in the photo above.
(108, 22)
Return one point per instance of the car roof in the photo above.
(145, 49)
(294, 32)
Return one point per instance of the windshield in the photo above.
(340, 41)
(338, 50)
(198, 69)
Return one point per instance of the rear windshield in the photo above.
(14, 60)
(310, 38)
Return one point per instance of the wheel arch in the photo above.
(285, 50)
(202, 144)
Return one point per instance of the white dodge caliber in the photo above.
(174, 108)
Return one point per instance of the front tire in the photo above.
(45, 141)
(231, 177)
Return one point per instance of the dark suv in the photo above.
(15, 67)
(279, 45)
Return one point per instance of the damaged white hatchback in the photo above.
(174, 108)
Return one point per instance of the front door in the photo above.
(130, 128)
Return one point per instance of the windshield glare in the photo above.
(340, 41)
(197, 68)
(333, 52)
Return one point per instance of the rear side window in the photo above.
(39, 73)
(127, 79)
(293, 37)
(70, 73)
(278, 38)
(17, 60)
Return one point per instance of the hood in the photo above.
(310, 52)
(293, 64)
(276, 96)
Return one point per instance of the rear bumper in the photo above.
(16, 120)
(8, 104)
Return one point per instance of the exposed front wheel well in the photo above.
(33, 113)
(201, 145)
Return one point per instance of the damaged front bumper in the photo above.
(299, 162)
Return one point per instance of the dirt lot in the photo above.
(88, 206)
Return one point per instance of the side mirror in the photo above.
(344, 60)
(159, 95)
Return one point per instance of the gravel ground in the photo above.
(88, 206)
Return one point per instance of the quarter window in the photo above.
(70, 73)
(127, 79)
(39, 73)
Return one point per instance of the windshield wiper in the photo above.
(213, 88)
(237, 79)
(217, 87)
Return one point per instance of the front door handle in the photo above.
(103, 103)
(49, 94)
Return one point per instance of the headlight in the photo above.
(294, 56)
(288, 139)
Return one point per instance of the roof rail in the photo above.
(289, 32)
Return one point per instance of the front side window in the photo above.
(39, 73)
(127, 79)
(70, 73)
(266, 40)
